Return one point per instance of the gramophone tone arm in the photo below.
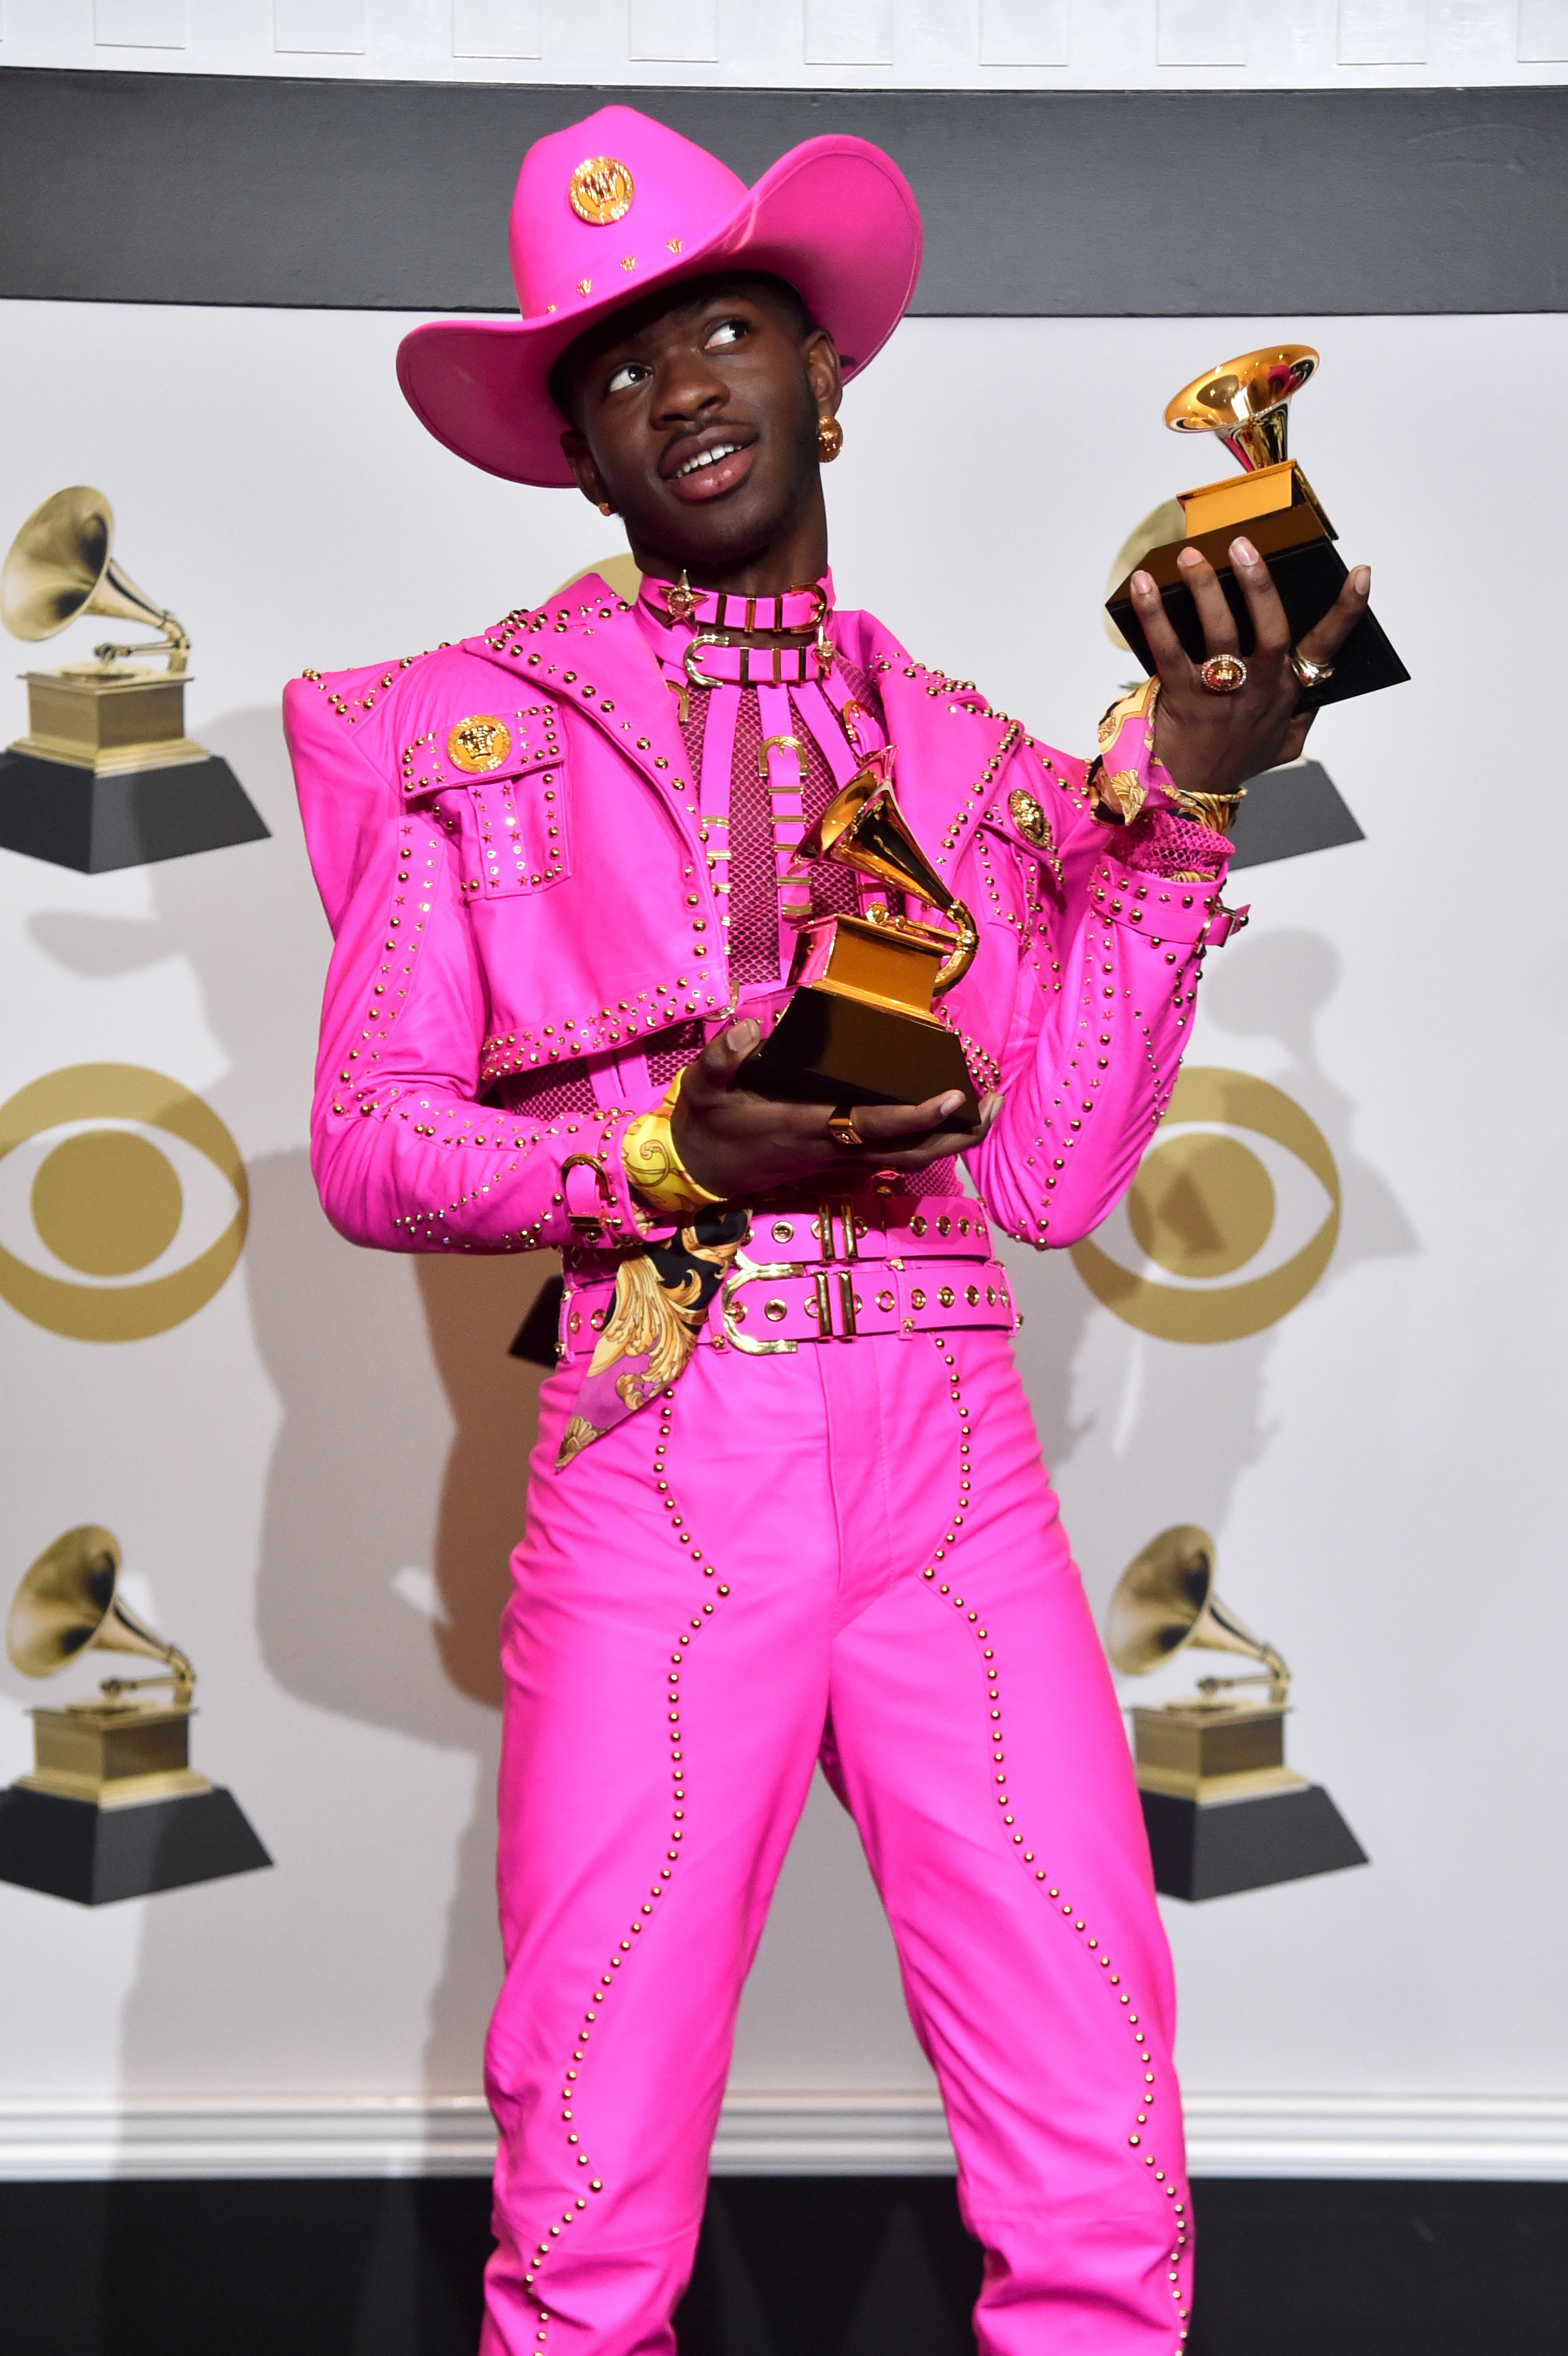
(959, 952)
(179, 1674)
(961, 957)
(1278, 1687)
(111, 1688)
(175, 643)
(1273, 1674)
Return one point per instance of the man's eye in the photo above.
(728, 331)
(630, 372)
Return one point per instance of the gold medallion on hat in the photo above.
(480, 742)
(600, 191)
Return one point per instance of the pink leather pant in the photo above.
(854, 1552)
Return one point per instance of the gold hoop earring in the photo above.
(605, 507)
(829, 439)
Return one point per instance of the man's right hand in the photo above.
(741, 1145)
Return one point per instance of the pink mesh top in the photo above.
(752, 893)
(742, 854)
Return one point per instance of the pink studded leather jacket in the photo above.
(557, 908)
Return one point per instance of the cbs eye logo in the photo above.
(1230, 1221)
(123, 1202)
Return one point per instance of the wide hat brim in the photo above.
(834, 217)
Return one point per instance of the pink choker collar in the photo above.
(799, 611)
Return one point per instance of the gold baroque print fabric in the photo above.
(659, 1306)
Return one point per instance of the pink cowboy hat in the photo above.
(619, 203)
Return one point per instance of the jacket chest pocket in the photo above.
(516, 827)
(499, 782)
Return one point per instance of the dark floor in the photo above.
(788, 2266)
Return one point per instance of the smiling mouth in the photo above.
(709, 457)
(712, 473)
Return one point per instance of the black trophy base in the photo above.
(1214, 1850)
(1289, 812)
(1309, 573)
(50, 809)
(68, 1848)
(828, 1048)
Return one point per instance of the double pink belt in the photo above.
(772, 1307)
(838, 1272)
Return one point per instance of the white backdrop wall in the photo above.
(807, 44)
(317, 1477)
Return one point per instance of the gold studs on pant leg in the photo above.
(945, 1588)
(656, 1889)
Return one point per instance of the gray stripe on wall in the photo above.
(372, 195)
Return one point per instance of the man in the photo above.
(787, 1500)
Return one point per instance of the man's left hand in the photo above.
(1212, 742)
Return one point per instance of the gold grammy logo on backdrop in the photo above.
(104, 1170)
(1230, 1221)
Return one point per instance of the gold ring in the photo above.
(1223, 674)
(841, 1128)
(1310, 674)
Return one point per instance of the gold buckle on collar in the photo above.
(703, 639)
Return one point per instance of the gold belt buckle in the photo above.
(588, 1223)
(741, 1272)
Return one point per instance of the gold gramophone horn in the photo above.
(68, 1604)
(863, 828)
(59, 566)
(1244, 402)
(1164, 1600)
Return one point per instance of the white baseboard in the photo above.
(1398, 2136)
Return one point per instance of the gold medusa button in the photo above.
(600, 191)
(1026, 815)
(480, 742)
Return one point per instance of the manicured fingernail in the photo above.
(1143, 584)
(1244, 552)
(740, 1036)
(1188, 558)
(1361, 579)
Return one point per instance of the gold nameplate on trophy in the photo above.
(1246, 403)
(859, 1028)
(1222, 1810)
(113, 1807)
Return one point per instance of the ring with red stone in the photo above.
(1223, 674)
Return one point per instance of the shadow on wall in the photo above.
(1189, 1419)
(353, 1342)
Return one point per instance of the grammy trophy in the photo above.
(860, 1027)
(105, 776)
(1222, 1810)
(113, 1807)
(1246, 402)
